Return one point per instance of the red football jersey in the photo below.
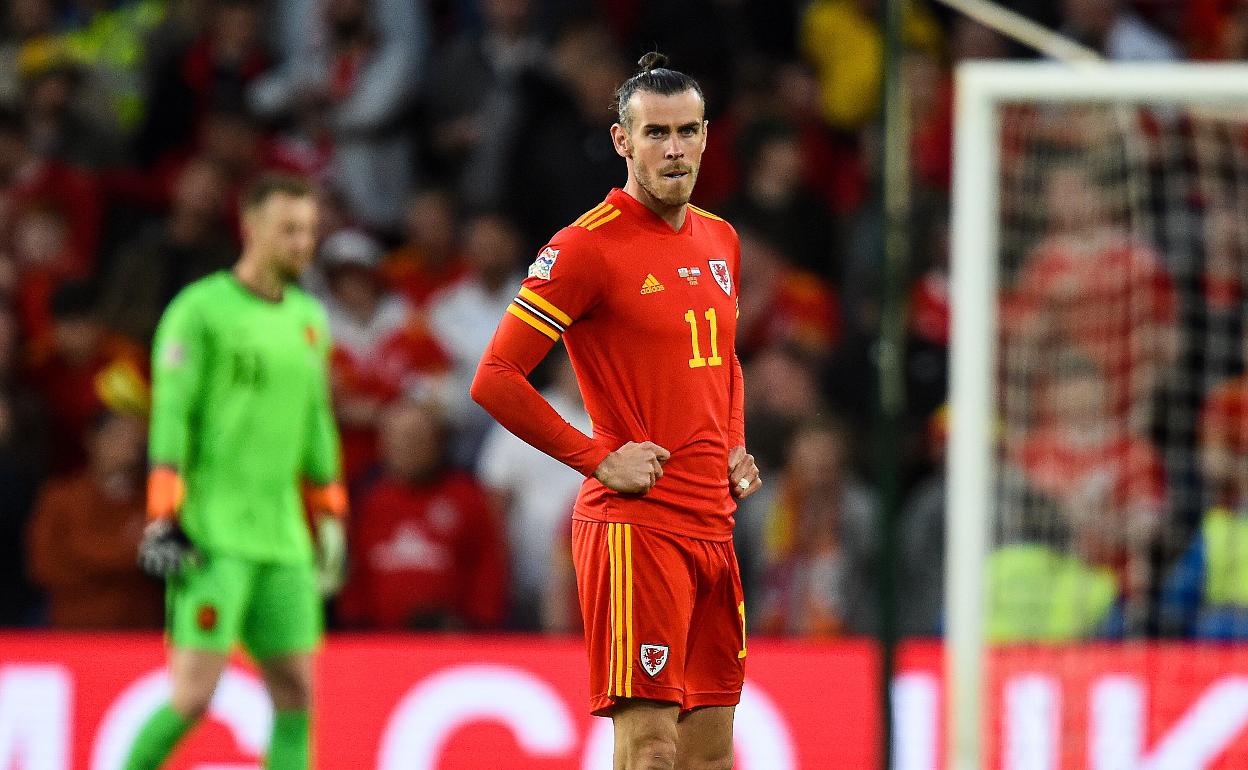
(648, 316)
(1224, 418)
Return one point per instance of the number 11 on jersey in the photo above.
(697, 359)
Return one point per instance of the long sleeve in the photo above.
(322, 454)
(179, 356)
(502, 388)
(563, 286)
(736, 412)
(321, 459)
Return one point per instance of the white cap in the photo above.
(351, 248)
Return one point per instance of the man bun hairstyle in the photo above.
(652, 76)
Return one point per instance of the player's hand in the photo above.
(743, 477)
(633, 468)
(165, 549)
(331, 555)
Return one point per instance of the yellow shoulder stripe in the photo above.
(542, 304)
(600, 221)
(610, 212)
(588, 215)
(704, 213)
(531, 321)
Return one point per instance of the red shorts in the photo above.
(664, 616)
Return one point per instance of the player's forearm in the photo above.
(736, 412)
(503, 390)
(170, 434)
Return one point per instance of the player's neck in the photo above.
(259, 278)
(674, 216)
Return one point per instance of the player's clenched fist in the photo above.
(633, 468)
(743, 475)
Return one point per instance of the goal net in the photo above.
(1098, 543)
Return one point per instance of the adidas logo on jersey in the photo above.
(651, 284)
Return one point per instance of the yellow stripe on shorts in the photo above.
(628, 607)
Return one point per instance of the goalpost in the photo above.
(1155, 138)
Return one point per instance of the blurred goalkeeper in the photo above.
(240, 416)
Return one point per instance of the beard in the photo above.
(667, 191)
(290, 268)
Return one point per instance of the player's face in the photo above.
(665, 143)
(283, 228)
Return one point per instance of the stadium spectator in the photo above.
(57, 124)
(1216, 30)
(536, 492)
(382, 348)
(1072, 292)
(782, 393)
(463, 316)
(353, 69)
(1224, 443)
(842, 40)
(31, 181)
(23, 21)
(1107, 482)
(110, 42)
(192, 241)
(64, 371)
(209, 72)
(774, 201)
(564, 130)
(1116, 30)
(1203, 595)
(474, 78)
(85, 533)
(821, 542)
(786, 306)
(1041, 587)
(428, 550)
(429, 257)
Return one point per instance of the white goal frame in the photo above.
(982, 87)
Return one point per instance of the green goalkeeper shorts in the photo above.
(271, 609)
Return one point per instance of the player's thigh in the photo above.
(636, 593)
(284, 613)
(288, 679)
(194, 675)
(644, 729)
(206, 603)
(715, 671)
(704, 739)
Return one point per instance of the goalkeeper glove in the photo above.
(165, 549)
(331, 555)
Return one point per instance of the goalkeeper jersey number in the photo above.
(241, 409)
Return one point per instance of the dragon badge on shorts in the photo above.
(653, 658)
(206, 617)
(719, 269)
(544, 262)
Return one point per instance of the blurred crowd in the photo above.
(448, 139)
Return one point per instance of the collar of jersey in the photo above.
(644, 216)
(247, 290)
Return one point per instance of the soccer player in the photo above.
(240, 413)
(642, 290)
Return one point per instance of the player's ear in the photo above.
(619, 137)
